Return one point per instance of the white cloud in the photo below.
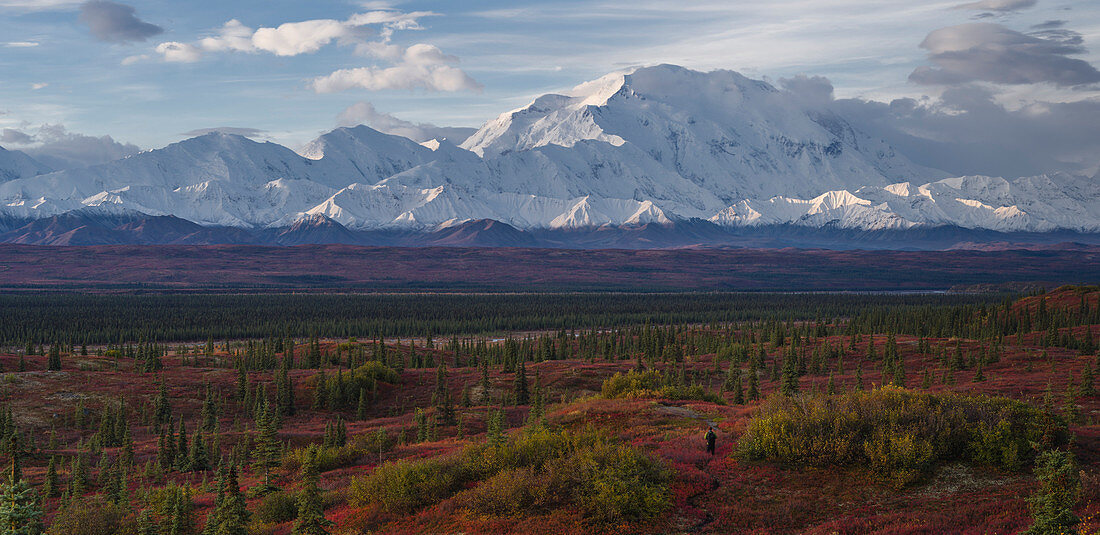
(130, 60)
(39, 85)
(404, 76)
(233, 36)
(20, 44)
(295, 38)
(179, 52)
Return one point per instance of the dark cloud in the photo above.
(366, 114)
(234, 130)
(115, 23)
(58, 148)
(998, 5)
(15, 137)
(966, 131)
(993, 53)
(1049, 25)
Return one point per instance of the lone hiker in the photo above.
(711, 437)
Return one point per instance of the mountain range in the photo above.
(656, 157)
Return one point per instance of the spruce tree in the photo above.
(230, 515)
(20, 512)
(311, 516)
(444, 406)
(754, 385)
(51, 488)
(268, 447)
(53, 362)
(521, 391)
(789, 384)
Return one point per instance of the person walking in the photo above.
(711, 437)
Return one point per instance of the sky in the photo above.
(151, 72)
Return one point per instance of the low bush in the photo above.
(276, 508)
(653, 384)
(899, 433)
(91, 516)
(535, 470)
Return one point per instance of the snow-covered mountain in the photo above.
(652, 146)
(15, 164)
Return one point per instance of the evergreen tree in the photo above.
(230, 515)
(311, 516)
(51, 488)
(53, 362)
(754, 385)
(20, 512)
(199, 459)
(1059, 491)
(444, 406)
(899, 375)
(268, 447)
(183, 455)
(789, 384)
(363, 406)
(522, 393)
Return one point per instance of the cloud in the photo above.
(234, 130)
(999, 5)
(294, 38)
(38, 5)
(966, 131)
(15, 137)
(365, 113)
(176, 52)
(233, 36)
(115, 23)
(1049, 25)
(55, 146)
(39, 85)
(993, 53)
(421, 66)
(812, 90)
(406, 76)
(20, 44)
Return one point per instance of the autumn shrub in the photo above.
(276, 508)
(91, 516)
(326, 457)
(405, 486)
(898, 433)
(632, 384)
(374, 370)
(537, 469)
(653, 384)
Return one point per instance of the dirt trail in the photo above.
(692, 500)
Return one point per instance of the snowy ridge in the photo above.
(654, 145)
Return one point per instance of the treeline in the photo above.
(78, 319)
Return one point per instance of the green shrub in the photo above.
(276, 508)
(512, 492)
(632, 384)
(898, 433)
(618, 484)
(374, 370)
(91, 516)
(535, 469)
(652, 384)
(408, 485)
